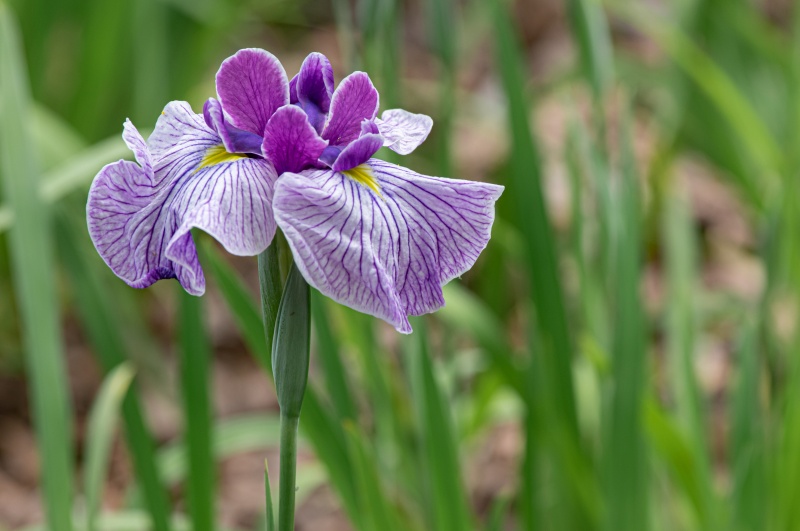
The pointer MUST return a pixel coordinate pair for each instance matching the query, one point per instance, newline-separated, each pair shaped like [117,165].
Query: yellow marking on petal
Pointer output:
[217,155]
[363,175]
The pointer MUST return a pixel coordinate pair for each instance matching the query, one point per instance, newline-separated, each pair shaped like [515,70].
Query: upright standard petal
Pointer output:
[354,101]
[315,82]
[403,131]
[252,85]
[290,143]
[384,240]
[142,227]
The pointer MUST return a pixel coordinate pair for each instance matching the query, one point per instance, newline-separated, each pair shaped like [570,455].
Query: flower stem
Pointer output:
[288,462]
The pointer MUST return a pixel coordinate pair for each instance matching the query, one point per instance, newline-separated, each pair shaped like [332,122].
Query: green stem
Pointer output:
[288,472]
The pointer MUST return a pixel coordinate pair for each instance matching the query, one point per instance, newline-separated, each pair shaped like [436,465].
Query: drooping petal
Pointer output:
[234,139]
[354,101]
[358,152]
[252,85]
[290,142]
[403,131]
[386,252]
[142,228]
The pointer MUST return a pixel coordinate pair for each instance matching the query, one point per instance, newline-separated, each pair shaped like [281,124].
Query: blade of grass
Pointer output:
[590,29]
[525,186]
[100,434]
[105,330]
[439,449]
[195,382]
[32,260]
[268,499]
[750,492]
[625,456]
[333,371]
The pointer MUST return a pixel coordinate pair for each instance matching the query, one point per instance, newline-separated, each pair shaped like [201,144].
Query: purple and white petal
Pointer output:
[354,101]
[403,131]
[290,142]
[252,85]
[358,152]
[141,227]
[234,139]
[385,253]
[133,139]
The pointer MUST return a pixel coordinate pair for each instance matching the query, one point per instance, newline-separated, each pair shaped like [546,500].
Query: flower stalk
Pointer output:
[290,358]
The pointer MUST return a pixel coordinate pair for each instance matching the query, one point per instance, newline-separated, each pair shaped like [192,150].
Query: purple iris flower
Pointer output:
[297,155]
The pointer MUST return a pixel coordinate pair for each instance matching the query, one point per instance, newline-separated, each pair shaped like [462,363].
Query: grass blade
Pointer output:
[100,433]
[268,499]
[104,327]
[332,367]
[32,261]
[195,360]
[439,449]
[625,458]
[590,28]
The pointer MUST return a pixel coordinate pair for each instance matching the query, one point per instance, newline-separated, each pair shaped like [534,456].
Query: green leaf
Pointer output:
[104,325]
[100,434]
[268,499]
[590,28]
[195,382]
[32,261]
[290,350]
[439,449]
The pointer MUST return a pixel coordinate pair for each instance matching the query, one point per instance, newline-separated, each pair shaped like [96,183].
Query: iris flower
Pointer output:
[270,153]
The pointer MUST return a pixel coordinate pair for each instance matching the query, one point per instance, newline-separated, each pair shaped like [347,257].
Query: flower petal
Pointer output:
[142,227]
[252,85]
[403,131]
[389,253]
[314,88]
[234,139]
[290,142]
[354,101]
[358,152]
[133,139]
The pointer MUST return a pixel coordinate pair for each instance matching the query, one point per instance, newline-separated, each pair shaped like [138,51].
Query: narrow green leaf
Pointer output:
[100,434]
[195,382]
[625,458]
[241,302]
[590,28]
[104,326]
[333,371]
[268,499]
[439,449]
[32,261]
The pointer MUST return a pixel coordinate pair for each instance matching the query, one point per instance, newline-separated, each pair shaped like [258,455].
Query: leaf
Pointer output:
[100,434]
[32,260]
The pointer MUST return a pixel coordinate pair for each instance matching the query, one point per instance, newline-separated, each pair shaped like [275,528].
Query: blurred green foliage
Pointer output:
[555,332]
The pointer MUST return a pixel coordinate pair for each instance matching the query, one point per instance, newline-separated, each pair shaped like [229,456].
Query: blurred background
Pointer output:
[623,355]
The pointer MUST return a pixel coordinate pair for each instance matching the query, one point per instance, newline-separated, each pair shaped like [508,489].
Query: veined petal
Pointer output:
[403,131]
[234,139]
[252,85]
[354,101]
[387,254]
[142,228]
[358,152]
[290,142]
[133,139]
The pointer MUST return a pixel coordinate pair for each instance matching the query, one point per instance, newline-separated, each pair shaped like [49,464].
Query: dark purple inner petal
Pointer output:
[290,142]
[354,101]
[234,139]
[315,82]
[358,152]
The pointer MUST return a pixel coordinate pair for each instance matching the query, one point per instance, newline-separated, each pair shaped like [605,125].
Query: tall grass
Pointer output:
[555,334]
